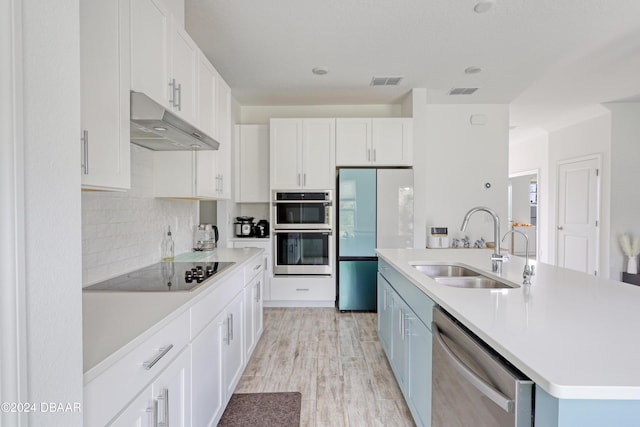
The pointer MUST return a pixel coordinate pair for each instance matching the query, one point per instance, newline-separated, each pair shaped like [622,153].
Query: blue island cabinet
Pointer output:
[404,329]
[554,412]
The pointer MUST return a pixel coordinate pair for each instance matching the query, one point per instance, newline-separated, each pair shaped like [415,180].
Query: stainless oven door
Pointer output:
[303,252]
[302,214]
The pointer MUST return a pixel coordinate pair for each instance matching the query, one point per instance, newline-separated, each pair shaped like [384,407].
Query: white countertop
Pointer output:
[573,334]
[114,322]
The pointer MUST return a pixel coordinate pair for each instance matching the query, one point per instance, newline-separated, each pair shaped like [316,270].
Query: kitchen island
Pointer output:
[573,334]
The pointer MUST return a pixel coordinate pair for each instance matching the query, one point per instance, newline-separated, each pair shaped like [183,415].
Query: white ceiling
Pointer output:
[551,60]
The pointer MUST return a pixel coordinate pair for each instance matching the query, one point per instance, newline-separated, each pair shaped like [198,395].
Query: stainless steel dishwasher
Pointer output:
[472,385]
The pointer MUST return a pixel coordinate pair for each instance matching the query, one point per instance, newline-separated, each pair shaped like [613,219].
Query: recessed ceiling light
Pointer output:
[159,128]
[320,71]
[472,70]
[483,6]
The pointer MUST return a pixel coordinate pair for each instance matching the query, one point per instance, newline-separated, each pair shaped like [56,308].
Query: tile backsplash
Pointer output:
[122,231]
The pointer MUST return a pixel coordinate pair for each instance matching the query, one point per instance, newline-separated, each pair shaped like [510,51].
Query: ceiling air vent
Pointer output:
[386,81]
[462,90]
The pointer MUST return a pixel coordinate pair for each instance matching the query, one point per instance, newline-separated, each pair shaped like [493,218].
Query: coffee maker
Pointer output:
[262,228]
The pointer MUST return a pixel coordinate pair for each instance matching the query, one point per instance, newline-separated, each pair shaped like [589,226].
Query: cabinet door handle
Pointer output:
[298,180]
[85,151]
[231,327]
[258,291]
[179,90]
[374,154]
[257,267]
[154,413]
[304,179]
[368,154]
[164,397]
[163,351]
[172,92]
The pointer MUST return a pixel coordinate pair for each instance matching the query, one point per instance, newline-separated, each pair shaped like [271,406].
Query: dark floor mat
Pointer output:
[262,410]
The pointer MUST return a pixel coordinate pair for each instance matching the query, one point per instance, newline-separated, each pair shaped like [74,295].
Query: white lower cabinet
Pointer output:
[254,279]
[263,243]
[166,402]
[185,373]
[208,399]
[232,357]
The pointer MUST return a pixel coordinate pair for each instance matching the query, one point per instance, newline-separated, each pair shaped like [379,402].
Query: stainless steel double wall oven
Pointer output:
[303,232]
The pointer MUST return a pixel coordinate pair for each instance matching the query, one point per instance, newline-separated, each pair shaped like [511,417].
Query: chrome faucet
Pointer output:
[496,257]
[528,269]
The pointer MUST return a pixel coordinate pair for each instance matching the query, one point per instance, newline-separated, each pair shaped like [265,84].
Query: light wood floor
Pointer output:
[335,360]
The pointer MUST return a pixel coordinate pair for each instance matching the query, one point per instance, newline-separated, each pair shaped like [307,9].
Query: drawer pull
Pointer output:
[164,350]
[257,266]
[302,289]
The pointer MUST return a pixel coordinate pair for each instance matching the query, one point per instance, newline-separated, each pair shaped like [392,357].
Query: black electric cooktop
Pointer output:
[163,277]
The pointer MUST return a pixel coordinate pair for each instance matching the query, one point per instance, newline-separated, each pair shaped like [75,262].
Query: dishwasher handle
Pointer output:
[480,384]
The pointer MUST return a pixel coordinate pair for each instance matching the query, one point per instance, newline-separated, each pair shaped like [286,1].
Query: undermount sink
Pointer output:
[473,282]
[444,270]
[458,276]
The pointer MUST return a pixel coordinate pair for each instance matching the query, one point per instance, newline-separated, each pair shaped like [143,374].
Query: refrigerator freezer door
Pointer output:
[357,285]
[357,213]
[395,208]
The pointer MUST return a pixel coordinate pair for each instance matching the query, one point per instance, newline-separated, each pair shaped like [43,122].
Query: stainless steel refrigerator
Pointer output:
[375,210]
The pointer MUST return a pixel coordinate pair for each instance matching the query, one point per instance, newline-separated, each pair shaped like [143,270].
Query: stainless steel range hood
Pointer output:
[156,128]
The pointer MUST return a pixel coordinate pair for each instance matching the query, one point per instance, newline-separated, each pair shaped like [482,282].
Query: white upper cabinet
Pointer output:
[207,77]
[185,174]
[252,178]
[151,51]
[184,67]
[105,68]
[380,142]
[164,59]
[302,154]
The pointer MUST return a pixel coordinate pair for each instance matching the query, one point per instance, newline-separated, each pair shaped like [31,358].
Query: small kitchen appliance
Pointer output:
[244,226]
[262,228]
[205,237]
[439,238]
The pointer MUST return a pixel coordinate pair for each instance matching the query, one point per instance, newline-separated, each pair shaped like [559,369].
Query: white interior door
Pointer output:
[578,208]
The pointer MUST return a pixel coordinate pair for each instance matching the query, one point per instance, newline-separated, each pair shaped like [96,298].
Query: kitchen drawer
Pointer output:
[254,268]
[303,289]
[214,302]
[111,391]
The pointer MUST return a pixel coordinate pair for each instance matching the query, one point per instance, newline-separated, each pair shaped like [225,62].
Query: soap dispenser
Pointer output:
[167,247]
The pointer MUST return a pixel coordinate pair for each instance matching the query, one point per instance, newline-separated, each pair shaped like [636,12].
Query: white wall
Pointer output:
[453,160]
[122,231]
[53,255]
[529,155]
[625,180]
[591,137]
